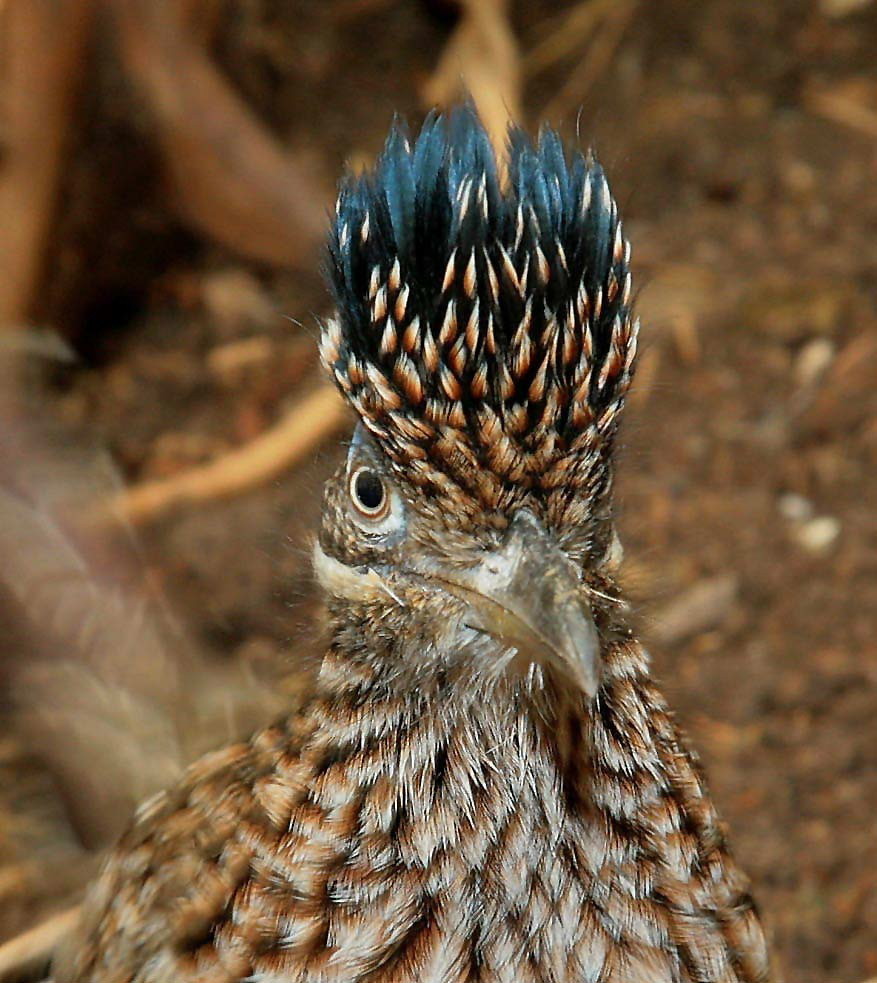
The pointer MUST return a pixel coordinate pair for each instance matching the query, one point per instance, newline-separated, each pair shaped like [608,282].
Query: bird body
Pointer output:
[433,837]
[486,785]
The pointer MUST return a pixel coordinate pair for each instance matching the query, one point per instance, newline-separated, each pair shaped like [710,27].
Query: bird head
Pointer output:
[484,337]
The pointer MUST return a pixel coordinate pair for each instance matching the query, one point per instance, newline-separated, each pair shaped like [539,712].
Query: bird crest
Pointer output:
[484,331]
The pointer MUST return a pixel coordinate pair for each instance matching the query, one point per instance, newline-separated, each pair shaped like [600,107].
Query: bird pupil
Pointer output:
[369,490]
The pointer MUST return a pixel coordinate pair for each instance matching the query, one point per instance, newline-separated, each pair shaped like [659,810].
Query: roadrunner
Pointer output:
[486,785]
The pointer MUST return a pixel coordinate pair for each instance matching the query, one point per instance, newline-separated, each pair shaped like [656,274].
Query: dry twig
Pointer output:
[300,430]
[233,179]
[566,35]
[481,59]
[596,61]
[33,950]
[705,605]
[846,105]
[43,53]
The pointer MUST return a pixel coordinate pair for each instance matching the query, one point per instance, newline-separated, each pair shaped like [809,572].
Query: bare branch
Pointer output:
[304,426]
[481,59]
[596,61]
[43,44]
[233,179]
[851,105]
[32,951]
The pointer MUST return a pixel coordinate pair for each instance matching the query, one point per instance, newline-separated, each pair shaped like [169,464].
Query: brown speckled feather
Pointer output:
[439,837]
[486,785]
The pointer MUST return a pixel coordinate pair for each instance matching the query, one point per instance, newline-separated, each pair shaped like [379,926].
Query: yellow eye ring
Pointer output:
[368,494]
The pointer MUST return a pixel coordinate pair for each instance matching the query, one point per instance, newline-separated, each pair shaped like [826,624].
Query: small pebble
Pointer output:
[818,535]
[795,508]
[813,361]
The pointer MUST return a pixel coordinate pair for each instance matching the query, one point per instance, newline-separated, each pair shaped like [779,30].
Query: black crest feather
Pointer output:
[484,331]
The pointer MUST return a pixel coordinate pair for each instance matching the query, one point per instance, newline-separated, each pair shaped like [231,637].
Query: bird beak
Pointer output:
[528,595]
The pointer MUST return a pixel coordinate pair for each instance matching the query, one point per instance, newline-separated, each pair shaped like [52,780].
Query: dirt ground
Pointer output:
[736,136]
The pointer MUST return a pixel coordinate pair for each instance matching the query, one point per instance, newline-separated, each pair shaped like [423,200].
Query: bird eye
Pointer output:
[368,493]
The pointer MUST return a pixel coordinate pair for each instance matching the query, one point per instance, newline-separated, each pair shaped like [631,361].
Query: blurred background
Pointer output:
[166,171]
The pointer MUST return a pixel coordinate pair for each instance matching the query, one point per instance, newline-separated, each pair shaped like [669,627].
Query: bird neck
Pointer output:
[521,799]
[507,726]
